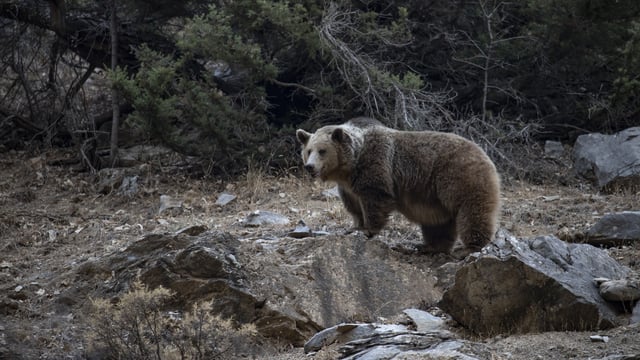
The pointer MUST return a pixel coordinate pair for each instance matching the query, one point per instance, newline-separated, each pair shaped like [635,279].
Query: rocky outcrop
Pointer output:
[611,161]
[290,288]
[533,285]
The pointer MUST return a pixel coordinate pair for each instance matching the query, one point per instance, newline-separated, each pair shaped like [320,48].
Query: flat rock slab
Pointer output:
[424,321]
[261,217]
[373,341]
[533,285]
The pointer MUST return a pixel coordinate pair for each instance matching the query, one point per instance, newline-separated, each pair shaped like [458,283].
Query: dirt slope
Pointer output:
[53,218]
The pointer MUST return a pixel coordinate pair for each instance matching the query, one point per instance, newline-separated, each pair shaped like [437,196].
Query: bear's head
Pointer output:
[329,152]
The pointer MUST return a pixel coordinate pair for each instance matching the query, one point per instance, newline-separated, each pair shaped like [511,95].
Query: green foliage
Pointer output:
[246,67]
[187,113]
[627,83]
[212,36]
[211,100]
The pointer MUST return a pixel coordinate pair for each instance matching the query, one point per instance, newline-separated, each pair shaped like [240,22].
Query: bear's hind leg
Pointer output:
[439,238]
[476,228]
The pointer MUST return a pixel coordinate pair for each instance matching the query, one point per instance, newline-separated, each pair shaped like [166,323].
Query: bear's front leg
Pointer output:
[352,204]
[376,214]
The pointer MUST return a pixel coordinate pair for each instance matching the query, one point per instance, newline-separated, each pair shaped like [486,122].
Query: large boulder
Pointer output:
[615,229]
[612,161]
[333,279]
[533,285]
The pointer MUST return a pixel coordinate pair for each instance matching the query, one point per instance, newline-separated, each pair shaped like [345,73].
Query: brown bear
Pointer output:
[442,181]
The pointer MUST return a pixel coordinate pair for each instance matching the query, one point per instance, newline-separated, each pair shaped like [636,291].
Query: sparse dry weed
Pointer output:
[138,327]
[255,184]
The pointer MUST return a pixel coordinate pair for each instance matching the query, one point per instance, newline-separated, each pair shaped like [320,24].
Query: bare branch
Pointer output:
[383,95]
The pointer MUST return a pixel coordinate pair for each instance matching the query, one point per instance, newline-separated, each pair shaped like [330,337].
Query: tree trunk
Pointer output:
[114,92]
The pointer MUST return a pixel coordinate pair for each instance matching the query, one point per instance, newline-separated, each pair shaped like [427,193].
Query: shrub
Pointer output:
[138,327]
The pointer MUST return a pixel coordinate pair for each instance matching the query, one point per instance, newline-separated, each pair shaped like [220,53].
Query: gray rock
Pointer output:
[332,193]
[203,268]
[301,231]
[260,217]
[129,186]
[225,198]
[406,345]
[621,357]
[612,161]
[334,278]
[553,149]
[344,333]
[424,321]
[122,181]
[167,202]
[193,230]
[620,290]
[615,229]
[599,338]
[635,315]
[533,285]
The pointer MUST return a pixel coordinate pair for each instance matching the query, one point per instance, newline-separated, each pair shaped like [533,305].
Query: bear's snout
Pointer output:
[309,168]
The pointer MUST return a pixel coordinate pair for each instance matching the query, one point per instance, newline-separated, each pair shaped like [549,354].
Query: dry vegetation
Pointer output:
[139,327]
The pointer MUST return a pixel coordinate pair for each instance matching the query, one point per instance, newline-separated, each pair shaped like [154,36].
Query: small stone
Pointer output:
[129,186]
[635,315]
[599,338]
[225,198]
[550,198]
[301,231]
[331,193]
[620,290]
[553,149]
[167,202]
[232,259]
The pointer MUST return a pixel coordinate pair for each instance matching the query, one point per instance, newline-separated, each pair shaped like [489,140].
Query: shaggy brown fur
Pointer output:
[443,182]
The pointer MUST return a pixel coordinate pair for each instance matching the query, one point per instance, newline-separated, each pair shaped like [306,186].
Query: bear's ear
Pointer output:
[338,135]
[303,136]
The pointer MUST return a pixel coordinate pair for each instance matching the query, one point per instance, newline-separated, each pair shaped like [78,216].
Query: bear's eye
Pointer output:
[321,152]
[308,152]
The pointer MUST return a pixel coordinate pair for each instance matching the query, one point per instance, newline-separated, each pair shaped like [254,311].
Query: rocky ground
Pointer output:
[53,218]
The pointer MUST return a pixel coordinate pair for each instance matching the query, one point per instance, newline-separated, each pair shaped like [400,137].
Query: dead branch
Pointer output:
[383,95]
